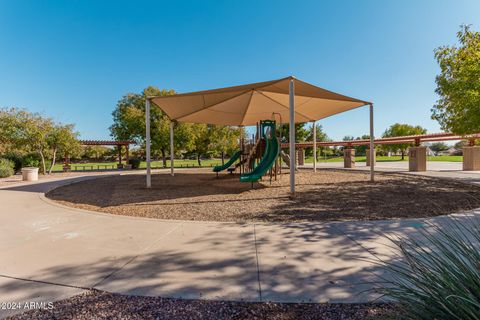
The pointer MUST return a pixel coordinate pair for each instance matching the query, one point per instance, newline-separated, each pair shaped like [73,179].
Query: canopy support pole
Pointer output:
[372,147]
[172,173]
[314,128]
[242,146]
[292,136]
[147,141]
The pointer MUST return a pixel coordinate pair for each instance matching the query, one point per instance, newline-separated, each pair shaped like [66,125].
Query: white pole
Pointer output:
[372,150]
[314,147]
[147,141]
[292,136]
[171,149]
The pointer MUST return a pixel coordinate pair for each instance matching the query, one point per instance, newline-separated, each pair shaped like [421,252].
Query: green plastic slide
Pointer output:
[268,159]
[227,165]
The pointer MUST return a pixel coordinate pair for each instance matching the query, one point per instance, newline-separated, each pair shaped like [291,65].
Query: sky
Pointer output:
[73,60]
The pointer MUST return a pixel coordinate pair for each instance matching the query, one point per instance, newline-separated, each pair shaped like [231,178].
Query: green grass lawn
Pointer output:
[446,158]
[155,164]
[214,162]
[386,159]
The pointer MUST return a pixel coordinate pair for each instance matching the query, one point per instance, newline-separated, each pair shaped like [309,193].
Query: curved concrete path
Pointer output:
[50,252]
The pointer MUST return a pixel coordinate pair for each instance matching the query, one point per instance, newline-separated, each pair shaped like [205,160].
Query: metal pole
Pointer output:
[171,149]
[314,147]
[372,150]
[147,141]
[292,136]
[242,144]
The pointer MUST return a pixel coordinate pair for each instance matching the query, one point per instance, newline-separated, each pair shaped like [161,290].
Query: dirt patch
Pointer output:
[103,305]
[322,196]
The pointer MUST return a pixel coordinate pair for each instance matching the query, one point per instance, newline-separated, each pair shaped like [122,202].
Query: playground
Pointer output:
[257,184]
[328,194]
[261,227]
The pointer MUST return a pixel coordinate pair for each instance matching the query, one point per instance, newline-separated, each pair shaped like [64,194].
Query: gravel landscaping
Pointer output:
[103,305]
[326,195]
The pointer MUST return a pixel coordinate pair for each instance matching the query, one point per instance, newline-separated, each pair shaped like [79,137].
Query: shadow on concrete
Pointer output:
[302,262]
[296,263]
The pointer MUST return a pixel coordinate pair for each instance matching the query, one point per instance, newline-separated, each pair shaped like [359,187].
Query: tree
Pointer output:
[94,152]
[460,144]
[31,132]
[398,130]
[62,139]
[11,135]
[439,146]
[27,132]
[201,140]
[129,123]
[301,132]
[458,84]
[225,140]
[363,148]
[321,136]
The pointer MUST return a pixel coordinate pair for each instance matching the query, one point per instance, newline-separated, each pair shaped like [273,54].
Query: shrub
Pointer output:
[31,160]
[16,159]
[438,275]
[6,168]
[135,163]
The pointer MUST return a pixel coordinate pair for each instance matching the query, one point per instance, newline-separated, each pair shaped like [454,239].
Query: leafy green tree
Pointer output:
[398,130]
[321,136]
[129,123]
[25,132]
[94,152]
[359,150]
[363,148]
[458,84]
[62,139]
[202,139]
[31,132]
[439,146]
[11,137]
[183,137]
[301,132]
[225,140]
[460,144]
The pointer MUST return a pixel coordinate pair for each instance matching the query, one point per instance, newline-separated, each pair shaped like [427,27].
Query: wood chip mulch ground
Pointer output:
[322,196]
[103,305]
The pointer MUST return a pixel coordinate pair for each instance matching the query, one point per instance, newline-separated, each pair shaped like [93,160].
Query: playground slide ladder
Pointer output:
[252,154]
[269,156]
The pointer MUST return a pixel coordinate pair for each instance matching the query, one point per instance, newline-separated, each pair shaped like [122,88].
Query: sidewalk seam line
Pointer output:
[257,262]
[46,282]
[136,256]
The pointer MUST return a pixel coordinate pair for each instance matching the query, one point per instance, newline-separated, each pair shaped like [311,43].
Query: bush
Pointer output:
[16,159]
[31,160]
[135,163]
[438,275]
[6,168]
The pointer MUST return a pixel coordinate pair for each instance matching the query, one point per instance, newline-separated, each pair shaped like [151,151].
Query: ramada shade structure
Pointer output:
[293,100]
[246,105]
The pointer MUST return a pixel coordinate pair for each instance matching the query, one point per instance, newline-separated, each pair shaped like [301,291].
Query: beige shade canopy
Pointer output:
[248,104]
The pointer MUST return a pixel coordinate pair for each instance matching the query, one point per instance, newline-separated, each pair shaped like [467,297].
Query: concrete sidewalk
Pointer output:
[50,252]
[439,169]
